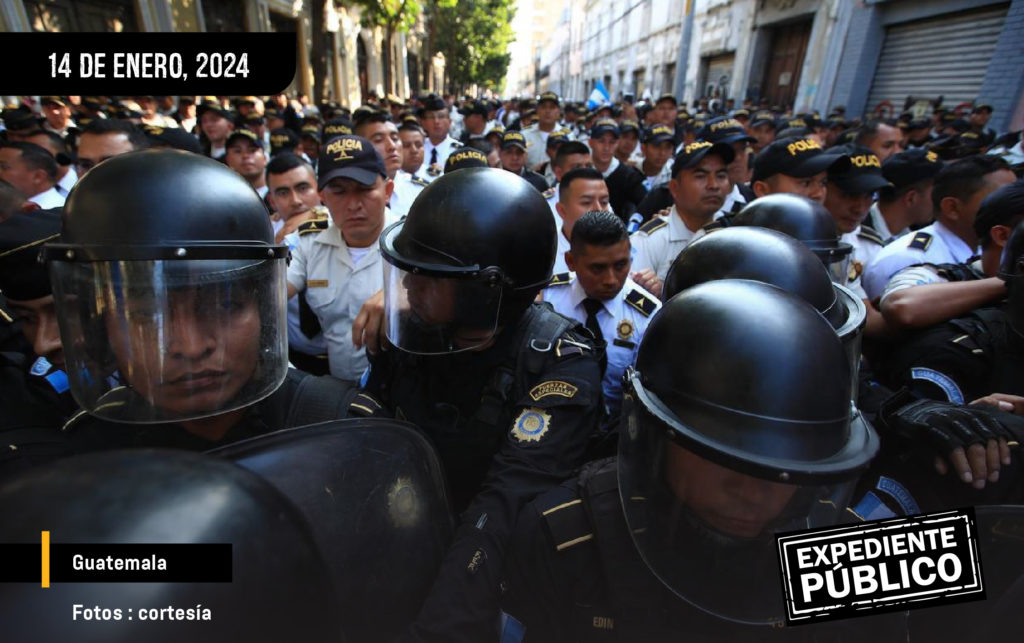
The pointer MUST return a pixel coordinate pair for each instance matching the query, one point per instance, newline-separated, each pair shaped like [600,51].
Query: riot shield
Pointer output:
[278,588]
[373,492]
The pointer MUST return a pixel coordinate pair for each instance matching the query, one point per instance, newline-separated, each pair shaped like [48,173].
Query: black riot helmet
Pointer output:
[473,252]
[803,219]
[276,579]
[1012,272]
[169,288]
[736,425]
[760,254]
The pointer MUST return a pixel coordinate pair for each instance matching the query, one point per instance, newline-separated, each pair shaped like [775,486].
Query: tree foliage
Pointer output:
[474,37]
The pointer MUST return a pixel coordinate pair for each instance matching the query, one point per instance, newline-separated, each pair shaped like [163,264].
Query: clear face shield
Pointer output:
[837,258]
[171,340]
[432,308]
[704,522]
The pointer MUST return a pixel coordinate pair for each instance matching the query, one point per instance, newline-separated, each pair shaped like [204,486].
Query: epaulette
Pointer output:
[641,302]
[921,241]
[871,235]
[313,226]
[721,222]
[561,279]
[655,223]
[568,524]
[415,180]
[548,193]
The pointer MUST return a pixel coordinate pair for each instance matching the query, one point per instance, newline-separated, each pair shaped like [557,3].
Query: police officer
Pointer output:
[549,111]
[507,390]
[436,121]
[600,294]
[676,534]
[173,320]
[514,154]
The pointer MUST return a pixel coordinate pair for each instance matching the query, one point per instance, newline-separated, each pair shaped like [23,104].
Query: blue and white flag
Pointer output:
[599,96]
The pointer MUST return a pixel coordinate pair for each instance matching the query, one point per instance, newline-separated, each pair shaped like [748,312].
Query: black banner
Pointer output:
[141,64]
[881,565]
[118,563]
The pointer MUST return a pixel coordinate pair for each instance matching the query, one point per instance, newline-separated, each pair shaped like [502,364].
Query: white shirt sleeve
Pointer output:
[297,267]
[910,277]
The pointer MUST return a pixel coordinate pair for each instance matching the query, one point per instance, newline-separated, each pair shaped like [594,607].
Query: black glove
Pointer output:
[945,426]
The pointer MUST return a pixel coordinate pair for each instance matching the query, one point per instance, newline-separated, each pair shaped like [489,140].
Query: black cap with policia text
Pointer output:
[799,157]
[351,157]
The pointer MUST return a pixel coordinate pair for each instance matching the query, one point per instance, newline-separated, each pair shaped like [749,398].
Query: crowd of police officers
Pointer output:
[825,325]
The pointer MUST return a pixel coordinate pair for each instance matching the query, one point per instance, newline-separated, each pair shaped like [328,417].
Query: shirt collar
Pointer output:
[677,230]
[878,222]
[614,165]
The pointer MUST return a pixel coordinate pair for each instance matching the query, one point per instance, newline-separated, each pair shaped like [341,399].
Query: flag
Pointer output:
[599,96]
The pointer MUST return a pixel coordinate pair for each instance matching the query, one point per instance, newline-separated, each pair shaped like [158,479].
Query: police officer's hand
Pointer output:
[649,281]
[972,440]
[368,328]
[1002,401]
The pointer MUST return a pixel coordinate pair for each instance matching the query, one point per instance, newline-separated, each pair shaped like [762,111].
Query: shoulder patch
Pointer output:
[415,180]
[548,193]
[553,387]
[655,223]
[641,302]
[561,279]
[871,235]
[531,425]
[943,381]
[313,226]
[921,241]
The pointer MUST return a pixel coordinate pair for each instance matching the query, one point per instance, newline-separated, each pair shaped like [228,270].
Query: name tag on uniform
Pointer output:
[623,343]
[317,283]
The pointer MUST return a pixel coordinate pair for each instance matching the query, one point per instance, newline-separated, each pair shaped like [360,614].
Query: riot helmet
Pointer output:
[276,579]
[1012,272]
[169,289]
[736,425]
[803,219]
[475,249]
[760,254]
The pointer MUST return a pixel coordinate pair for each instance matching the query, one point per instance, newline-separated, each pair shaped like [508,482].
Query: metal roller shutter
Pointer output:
[945,56]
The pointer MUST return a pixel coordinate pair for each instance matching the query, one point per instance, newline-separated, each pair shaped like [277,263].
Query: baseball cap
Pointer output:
[799,157]
[57,100]
[251,119]
[982,106]
[282,138]
[557,137]
[604,126]
[339,126]
[741,113]
[247,134]
[19,118]
[310,131]
[211,104]
[724,129]
[864,174]
[667,96]
[907,168]
[474,107]
[693,153]
[513,138]
[174,137]
[351,157]
[629,125]
[465,157]
[550,97]
[658,134]
[431,103]
[762,117]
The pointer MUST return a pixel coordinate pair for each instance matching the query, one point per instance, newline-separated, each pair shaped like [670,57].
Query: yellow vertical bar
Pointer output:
[46,559]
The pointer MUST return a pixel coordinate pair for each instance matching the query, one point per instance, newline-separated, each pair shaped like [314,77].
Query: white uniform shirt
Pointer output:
[49,199]
[407,188]
[536,145]
[336,290]
[661,178]
[932,244]
[296,338]
[444,150]
[731,199]
[866,246]
[64,186]
[659,241]
[623,320]
[919,276]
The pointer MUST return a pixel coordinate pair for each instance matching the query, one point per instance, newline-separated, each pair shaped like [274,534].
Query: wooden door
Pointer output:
[782,75]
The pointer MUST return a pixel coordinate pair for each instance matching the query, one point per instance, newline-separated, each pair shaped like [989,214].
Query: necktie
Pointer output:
[593,306]
[433,156]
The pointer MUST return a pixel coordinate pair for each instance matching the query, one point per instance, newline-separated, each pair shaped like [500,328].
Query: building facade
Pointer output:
[355,63]
[871,56]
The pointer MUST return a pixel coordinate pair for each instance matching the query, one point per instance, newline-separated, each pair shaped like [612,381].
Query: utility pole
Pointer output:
[684,51]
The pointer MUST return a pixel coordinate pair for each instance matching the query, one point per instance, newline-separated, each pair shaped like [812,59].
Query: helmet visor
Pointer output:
[429,314]
[171,340]
[837,258]
[706,530]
